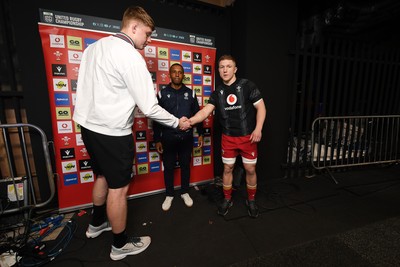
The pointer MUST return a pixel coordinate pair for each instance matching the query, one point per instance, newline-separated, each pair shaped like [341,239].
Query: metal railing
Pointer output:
[19,188]
[346,141]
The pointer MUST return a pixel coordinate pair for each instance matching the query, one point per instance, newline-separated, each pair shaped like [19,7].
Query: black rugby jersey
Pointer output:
[234,105]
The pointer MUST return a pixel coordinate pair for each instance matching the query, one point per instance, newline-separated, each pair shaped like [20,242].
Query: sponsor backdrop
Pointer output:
[64,37]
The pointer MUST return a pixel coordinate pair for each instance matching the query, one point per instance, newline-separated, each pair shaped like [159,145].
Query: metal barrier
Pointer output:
[345,141]
[19,189]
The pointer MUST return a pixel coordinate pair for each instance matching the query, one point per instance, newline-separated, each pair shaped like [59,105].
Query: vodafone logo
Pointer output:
[231,99]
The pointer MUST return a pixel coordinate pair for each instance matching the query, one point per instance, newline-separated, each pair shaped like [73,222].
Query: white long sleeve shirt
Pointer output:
[113,79]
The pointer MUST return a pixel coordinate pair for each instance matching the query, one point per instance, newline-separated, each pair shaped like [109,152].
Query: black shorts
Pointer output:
[111,156]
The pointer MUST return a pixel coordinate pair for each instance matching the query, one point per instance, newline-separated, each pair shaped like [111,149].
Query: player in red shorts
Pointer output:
[241,112]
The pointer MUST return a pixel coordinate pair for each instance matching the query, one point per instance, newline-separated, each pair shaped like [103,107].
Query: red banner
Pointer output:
[62,49]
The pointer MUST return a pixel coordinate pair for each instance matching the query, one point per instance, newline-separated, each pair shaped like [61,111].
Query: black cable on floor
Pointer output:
[37,253]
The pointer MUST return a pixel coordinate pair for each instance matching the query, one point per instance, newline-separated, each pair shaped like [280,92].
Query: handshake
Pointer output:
[184,123]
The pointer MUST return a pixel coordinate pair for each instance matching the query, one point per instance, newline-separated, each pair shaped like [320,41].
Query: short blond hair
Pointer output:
[139,14]
[227,57]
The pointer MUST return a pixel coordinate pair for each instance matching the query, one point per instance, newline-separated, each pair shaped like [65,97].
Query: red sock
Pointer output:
[251,191]
[227,191]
